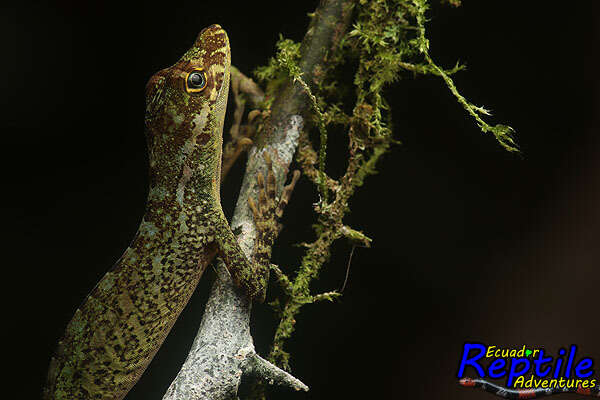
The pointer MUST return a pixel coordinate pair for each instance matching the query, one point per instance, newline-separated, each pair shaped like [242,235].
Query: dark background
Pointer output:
[470,242]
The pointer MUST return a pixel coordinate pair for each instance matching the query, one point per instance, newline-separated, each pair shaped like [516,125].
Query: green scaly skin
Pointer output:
[118,329]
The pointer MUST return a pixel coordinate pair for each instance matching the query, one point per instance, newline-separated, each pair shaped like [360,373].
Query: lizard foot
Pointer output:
[266,215]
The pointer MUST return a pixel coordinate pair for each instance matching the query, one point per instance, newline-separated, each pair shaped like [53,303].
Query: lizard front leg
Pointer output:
[252,276]
[266,218]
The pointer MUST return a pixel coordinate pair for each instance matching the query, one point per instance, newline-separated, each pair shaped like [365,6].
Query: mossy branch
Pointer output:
[386,39]
[503,133]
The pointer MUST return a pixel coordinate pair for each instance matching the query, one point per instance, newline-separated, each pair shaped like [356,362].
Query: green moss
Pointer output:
[387,42]
[280,68]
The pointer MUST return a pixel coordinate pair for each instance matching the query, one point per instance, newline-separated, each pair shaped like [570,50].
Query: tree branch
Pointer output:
[223,349]
[243,88]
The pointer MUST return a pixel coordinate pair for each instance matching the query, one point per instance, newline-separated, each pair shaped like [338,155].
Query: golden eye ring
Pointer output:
[196,81]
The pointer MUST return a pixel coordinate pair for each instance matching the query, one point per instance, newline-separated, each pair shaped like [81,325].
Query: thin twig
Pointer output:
[348,269]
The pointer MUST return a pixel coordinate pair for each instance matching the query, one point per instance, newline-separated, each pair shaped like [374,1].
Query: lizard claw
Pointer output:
[266,215]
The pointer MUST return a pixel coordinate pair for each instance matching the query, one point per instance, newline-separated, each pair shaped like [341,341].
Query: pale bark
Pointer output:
[223,350]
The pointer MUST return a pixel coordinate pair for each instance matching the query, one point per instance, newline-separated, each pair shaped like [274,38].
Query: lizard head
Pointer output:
[185,111]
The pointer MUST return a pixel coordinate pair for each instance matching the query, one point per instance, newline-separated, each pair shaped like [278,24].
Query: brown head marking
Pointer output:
[185,111]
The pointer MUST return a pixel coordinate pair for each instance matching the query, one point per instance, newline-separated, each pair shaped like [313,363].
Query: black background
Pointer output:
[470,242]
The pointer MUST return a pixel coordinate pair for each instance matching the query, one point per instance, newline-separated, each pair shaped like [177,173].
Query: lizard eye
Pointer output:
[195,81]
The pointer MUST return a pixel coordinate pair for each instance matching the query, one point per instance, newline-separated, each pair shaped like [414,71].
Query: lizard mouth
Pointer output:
[213,27]
[213,38]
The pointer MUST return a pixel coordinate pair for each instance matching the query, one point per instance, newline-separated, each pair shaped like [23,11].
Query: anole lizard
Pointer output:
[117,330]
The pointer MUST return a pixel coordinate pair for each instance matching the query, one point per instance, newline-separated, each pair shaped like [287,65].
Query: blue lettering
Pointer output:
[471,361]
[559,361]
[572,353]
[582,365]
[539,362]
[498,364]
[513,369]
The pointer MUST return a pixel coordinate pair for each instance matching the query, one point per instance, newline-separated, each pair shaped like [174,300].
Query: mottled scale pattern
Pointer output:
[119,327]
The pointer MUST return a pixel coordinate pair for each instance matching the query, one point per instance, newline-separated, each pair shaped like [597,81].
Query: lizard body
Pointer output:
[120,326]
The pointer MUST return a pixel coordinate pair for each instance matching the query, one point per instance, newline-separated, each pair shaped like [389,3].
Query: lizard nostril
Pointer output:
[213,27]
[212,31]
